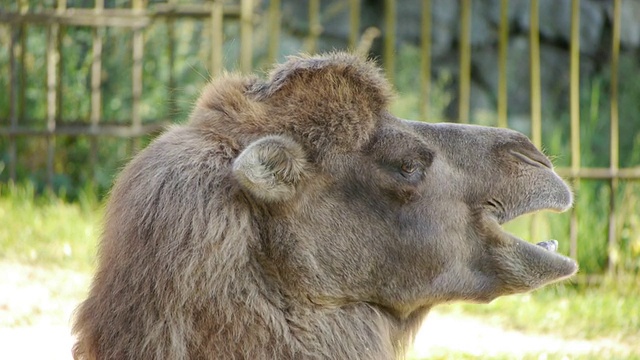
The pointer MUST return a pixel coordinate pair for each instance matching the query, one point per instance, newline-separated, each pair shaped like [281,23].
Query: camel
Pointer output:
[294,217]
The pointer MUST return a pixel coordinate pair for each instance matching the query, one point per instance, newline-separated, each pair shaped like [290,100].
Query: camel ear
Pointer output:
[271,168]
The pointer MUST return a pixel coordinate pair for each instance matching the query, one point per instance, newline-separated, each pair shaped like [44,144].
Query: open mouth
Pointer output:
[549,245]
[497,211]
[541,261]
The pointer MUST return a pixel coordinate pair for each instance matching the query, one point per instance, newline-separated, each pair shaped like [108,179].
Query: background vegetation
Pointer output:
[58,228]
[59,237]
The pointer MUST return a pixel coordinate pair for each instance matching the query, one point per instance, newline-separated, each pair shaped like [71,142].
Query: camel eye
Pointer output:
[408,167]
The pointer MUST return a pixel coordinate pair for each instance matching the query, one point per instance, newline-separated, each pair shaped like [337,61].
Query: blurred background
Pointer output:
[85,84]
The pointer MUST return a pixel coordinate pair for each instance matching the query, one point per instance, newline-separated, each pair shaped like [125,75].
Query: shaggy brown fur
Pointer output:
[295,218]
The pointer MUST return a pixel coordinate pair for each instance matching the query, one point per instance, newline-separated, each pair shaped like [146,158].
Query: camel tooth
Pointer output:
[551,245]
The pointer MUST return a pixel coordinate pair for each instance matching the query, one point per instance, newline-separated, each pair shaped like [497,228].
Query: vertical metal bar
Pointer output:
[96,94]
[136,77]
[217,37]
[614,152]
[575,116]
[502,63]
[534,58]
[354,23]
[425,60]
[536,105]
[24,8]
[62,7]
[315,27]
[53,63]
[13,97]
[171,54]
[246,35]
[465,61]
[274,30]
[15,52]
[573,225]
[172,105]
[390,39]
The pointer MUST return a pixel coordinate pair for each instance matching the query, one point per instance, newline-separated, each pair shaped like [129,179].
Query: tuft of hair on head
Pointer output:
[331,101]
[327,103]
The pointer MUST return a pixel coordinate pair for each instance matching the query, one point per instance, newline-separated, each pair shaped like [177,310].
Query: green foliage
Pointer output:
[59,228]
[170,88]
[410,99]
[174,67]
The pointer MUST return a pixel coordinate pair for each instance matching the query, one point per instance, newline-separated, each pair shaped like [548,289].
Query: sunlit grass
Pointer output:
[608,310]
[47,231]
[600,355]
[53,242]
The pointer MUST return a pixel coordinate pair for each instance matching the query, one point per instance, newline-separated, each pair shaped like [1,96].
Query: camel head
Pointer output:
[358,205]
[295,217]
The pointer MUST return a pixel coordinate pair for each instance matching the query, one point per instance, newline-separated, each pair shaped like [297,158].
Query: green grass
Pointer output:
[611,309]
[533,356]
[55,241]
[46,230]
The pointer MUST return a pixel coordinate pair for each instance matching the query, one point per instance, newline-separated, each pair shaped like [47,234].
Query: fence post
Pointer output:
[536,104]
[53,88]
[13,97]
[16,76]
[171,54]
[502,63]
[274,30]
[465,61]
[534,59]
[246,34]
[136,77]
[614,152]
[217,36]
[425,60]
[390,39]
[96,94]
[315,27]
[354,24]
[575,118]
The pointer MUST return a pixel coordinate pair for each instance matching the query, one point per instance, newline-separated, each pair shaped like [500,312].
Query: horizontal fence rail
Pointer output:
[129,18]
[247,14]
[84,129]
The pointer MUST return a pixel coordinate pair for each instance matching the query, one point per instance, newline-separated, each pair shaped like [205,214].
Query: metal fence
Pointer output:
[140,16]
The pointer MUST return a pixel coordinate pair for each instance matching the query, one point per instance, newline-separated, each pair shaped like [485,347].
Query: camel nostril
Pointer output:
[531,158]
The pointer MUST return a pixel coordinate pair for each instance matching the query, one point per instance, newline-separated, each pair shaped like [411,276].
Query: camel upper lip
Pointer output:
[504,213]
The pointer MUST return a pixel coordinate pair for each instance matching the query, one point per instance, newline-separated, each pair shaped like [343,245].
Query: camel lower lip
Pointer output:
[550,248]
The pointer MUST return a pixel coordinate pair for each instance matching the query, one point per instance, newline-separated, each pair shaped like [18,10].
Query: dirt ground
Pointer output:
[36,304]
